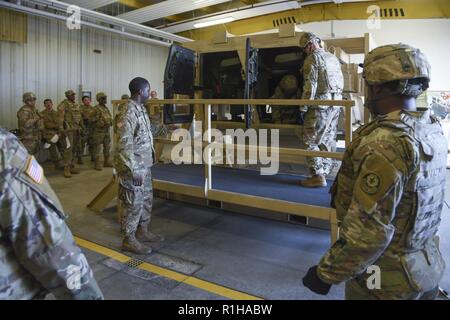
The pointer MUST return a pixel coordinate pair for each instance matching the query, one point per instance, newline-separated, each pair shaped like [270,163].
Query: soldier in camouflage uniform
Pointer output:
[51,133]
[30,124]
[122,106]
[86,112]
[71,125]
[288,88]
[101,122]
[38,254]
[133,159]
[323,80]
[389,192]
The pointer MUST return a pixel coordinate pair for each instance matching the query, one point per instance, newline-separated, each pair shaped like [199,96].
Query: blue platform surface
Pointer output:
[250,182]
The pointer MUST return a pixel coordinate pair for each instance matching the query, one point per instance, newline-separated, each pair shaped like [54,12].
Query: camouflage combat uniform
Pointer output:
[101,122]
[134,154]
[30,126]
[287,89]
[323,80]
[71,125]
[88,138]
[51,128]
[389,195]
[122,106]
[389,192]
[37,251]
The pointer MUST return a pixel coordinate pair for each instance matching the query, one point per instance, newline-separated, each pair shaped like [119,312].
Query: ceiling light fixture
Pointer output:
[213,22]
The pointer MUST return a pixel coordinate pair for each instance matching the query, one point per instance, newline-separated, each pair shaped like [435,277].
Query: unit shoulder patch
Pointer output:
[371,183]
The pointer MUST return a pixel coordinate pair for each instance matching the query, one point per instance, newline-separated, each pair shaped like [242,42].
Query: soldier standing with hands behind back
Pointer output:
[101,122]
[86,112]
[133,159]
[30,124]
[389,192]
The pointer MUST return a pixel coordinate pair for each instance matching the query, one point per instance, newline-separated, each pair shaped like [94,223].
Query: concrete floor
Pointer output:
[259,257]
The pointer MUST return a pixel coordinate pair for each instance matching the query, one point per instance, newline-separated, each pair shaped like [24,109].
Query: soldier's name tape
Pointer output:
[167,273]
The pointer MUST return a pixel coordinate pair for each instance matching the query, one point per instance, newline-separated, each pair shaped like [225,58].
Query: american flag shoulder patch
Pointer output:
[34,170]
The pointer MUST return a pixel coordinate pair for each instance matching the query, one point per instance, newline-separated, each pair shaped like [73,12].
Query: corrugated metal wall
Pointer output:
[56,59]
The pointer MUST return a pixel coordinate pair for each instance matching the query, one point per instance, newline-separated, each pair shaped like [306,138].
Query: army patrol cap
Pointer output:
[28,96]
[69,93]
[306,38]
[125,97]
[398,62]
[289,83]
[100,95]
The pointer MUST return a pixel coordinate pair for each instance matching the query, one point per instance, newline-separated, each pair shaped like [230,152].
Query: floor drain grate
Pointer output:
[134,263]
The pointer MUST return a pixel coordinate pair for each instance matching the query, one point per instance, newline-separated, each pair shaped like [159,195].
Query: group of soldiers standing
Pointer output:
[67,130]
[388,194]
[32,264]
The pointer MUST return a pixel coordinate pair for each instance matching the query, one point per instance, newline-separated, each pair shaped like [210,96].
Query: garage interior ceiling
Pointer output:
[180,16]
[91,4]
[259,9]
[167,8]
[159,13]
[166,13]
[60,11]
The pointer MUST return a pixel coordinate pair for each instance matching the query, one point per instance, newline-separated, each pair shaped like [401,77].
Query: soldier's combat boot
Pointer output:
[142,234]
[107,162]
[80,160]
[67,173]
[98,164]
[131,244]
[316,181]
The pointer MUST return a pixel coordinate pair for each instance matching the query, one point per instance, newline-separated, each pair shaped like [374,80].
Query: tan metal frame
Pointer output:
[276,205]
[207,103]
[202,111]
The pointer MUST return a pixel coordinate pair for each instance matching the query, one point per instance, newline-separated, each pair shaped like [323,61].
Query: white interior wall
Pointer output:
[432,36]
[56,59]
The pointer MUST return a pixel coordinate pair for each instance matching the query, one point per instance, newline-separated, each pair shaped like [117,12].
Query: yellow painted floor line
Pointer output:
[167,273]
[102,250]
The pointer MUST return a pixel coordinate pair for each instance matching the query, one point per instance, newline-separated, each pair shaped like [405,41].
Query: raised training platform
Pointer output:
[283,187]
